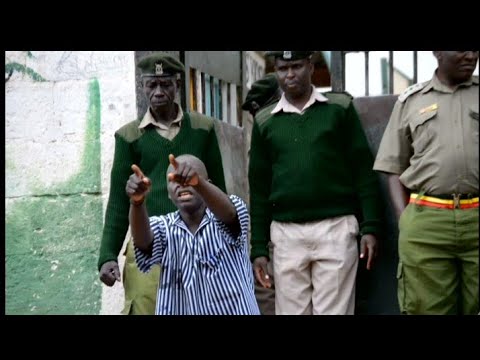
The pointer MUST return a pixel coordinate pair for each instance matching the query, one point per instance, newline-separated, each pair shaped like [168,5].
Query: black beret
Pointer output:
[160,64]
[289,55]
[262,90]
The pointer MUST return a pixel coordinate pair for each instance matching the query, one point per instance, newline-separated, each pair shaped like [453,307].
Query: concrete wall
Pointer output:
[61,110]
[231,140]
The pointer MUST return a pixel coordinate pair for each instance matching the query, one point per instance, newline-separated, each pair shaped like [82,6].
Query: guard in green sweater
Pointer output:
[165,129]
[312,191]
[264,92]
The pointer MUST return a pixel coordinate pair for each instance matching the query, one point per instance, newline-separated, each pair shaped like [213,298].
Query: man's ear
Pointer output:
[254,105]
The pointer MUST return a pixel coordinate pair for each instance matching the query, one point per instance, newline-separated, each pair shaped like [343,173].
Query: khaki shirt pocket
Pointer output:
[422,130]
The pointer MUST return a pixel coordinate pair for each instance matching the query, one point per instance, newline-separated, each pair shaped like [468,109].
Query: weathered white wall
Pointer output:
[118,108]
[48,97]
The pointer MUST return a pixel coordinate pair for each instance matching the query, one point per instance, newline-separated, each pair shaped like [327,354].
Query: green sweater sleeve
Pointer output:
[260,179]
[213,161]
[365,179]
[116,218]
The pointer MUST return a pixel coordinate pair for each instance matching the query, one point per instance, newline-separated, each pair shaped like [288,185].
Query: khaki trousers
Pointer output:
[140,288]
[438,268]
[315,266]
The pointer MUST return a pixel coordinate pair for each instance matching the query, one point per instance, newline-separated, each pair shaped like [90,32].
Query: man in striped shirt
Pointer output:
[147,141]
[202,247]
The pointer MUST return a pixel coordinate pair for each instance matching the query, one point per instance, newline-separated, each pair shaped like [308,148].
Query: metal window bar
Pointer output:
[390,72]
[367,64]
[337,71]
[415,67]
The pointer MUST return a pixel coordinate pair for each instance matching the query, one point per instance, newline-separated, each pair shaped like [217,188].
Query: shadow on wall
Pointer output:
[52,240]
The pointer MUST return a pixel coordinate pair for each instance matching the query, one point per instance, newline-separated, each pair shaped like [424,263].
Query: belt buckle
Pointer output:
[456,201]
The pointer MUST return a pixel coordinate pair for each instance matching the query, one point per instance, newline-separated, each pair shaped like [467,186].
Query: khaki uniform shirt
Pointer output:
[431,140]
[168,132]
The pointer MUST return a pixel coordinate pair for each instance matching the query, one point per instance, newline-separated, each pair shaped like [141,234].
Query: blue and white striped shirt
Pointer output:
[206,273]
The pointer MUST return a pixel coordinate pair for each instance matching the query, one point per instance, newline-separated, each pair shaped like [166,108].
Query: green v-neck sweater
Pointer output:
[310,167]
[149,150]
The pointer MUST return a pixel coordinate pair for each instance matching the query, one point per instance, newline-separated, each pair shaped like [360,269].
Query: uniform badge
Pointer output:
[159,69]
[287,55]
[429,108]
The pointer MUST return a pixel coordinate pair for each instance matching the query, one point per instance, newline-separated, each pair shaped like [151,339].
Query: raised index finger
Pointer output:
[172,160]
[137,171]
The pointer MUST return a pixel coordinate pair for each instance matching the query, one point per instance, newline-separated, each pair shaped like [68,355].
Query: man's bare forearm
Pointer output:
[219,203]
[399,194]
[140,227]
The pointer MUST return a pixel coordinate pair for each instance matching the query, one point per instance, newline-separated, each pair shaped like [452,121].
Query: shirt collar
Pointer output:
[149,119]
[437,85]
[178,221]
[287,107]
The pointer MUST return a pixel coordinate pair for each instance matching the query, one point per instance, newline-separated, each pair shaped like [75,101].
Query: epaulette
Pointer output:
[200,121]
[130,132]
[411,90]
[340,98]
[265,114]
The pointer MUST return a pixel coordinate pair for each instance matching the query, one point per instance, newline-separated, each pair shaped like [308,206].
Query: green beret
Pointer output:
[289,55]
[262,90]
[160,64]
